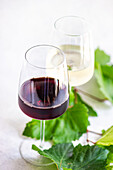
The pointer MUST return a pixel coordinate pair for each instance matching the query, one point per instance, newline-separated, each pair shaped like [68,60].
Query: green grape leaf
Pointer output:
[109,161]
[61,154]
[32,129]
[101,57]
[78,158]
[105,83]
[91,111]
[73,124]
[103,131]
[90,158]
[106,141]
[109,167]
[110,158]
[107,138]
[107,71]
[78,117]
[64,132]
[71,97]
[110,148]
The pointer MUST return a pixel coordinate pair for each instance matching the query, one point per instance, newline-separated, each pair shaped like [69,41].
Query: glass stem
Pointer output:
[42,133]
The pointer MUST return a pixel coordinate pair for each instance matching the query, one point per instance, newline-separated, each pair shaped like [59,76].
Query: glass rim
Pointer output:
[72,16]
[45,45]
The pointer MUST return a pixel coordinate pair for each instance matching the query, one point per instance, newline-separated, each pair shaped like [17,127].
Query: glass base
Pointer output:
[31,156]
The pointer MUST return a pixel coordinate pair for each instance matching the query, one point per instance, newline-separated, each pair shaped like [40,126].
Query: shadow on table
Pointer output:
[21,164]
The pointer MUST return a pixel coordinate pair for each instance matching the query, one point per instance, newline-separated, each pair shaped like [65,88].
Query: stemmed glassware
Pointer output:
[43,92]
[72,34]
[43,86]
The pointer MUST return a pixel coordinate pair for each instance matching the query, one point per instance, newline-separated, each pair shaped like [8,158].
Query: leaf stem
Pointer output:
[90,95]
[70,106]
[94,132]
[91,141]
[75,96]
[89,131]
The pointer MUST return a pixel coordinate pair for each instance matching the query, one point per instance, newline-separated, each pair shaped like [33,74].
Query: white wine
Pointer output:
[80,66]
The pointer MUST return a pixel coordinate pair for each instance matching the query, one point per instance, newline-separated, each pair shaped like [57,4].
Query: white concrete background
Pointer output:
[24,23]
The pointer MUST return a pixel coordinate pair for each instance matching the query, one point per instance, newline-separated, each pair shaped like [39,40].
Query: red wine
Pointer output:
[43,98]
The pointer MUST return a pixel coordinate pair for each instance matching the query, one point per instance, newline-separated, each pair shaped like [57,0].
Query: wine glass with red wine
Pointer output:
[43,93]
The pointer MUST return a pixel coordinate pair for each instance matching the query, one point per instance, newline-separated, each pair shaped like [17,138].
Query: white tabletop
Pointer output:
[22,25]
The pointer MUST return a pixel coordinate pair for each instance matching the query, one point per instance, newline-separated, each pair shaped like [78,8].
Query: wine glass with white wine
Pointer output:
[72,34]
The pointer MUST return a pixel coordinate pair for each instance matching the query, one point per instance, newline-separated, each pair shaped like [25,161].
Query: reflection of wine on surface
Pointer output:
[80,69]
